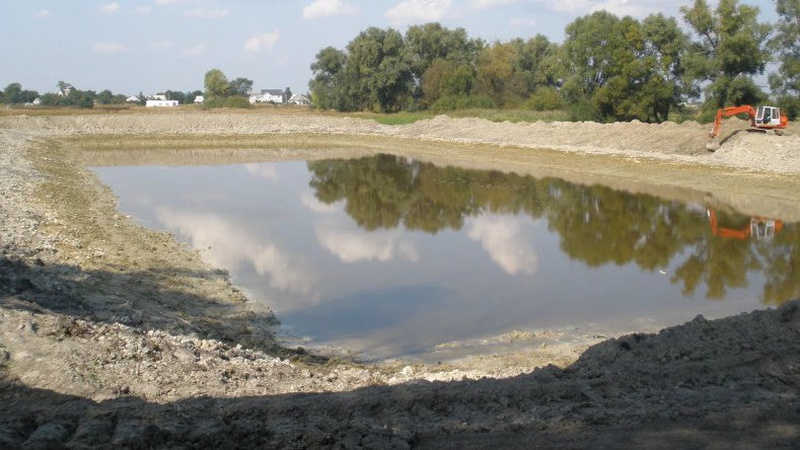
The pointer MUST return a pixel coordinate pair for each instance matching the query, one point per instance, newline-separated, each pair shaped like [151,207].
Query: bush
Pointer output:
[455,102]
[582,110]
[790,106]
[544,98]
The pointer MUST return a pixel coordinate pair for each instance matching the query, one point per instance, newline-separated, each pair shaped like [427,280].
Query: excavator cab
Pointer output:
[764,228]
[767,116]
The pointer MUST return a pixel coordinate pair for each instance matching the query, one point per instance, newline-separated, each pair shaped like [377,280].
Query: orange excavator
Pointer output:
[758,228]
[762,119]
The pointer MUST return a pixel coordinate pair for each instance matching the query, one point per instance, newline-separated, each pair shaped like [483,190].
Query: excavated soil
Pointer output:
[113,336]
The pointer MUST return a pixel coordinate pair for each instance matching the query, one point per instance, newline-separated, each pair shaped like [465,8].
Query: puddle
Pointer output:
[390,257]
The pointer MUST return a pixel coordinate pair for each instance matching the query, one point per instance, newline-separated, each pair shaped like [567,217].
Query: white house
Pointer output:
[132,99]
[268,96]
[161,103]
[199,99]
[299,99]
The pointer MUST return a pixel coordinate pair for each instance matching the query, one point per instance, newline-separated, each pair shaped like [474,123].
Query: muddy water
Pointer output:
[389,257]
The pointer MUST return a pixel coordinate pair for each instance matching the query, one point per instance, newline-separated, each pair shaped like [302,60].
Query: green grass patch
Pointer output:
[493,115]
[513,115]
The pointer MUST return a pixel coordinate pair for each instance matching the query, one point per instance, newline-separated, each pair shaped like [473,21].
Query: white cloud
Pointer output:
[143,10]
[44,13]
[412,11]
[197,50]
[637,8]
[110,8]
[162,45]
[351,247]
[312,203]
[328,8]
[258,43]
[108,47]
[567,6]
[622,8]
[169,2]
[480,5]
[522,23]
[266,171]
[224,244]
[206,14]
[502,237]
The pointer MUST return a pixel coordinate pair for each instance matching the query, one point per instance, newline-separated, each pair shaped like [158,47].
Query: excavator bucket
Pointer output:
[713,145]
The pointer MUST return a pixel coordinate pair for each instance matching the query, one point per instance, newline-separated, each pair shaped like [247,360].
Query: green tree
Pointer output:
[105,97]
[50,99]
[216,84]
[191,96]
[11,94]
[496,76]
[730,48]
[587,58]
[446,78]
[327,85]
[27,96]
[665,46]
[786,45]
[429,42]
[623,69]
[81,99]
[378,71]
[240,86]
[175,95]
[537,57]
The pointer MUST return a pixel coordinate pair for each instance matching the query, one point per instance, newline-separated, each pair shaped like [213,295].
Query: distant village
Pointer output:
[273,96]
[68,95]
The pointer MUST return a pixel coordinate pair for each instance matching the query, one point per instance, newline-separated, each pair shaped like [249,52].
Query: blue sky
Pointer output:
[149,46]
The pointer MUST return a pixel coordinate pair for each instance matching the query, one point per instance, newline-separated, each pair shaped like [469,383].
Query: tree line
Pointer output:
[607,69]
[68,95]
[219,91]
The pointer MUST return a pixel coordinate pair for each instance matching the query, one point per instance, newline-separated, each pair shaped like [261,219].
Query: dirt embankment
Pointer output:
[115,336]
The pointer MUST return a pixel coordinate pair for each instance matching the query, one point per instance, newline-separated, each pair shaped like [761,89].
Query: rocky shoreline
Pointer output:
[98,348]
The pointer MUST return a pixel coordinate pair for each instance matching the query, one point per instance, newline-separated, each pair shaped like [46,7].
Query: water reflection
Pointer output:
[505,240]
[596,225]
[392,256]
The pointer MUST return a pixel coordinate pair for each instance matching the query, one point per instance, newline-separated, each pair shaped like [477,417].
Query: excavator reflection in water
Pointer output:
[758,228]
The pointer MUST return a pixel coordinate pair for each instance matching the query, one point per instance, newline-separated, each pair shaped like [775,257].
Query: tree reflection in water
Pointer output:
[596,224]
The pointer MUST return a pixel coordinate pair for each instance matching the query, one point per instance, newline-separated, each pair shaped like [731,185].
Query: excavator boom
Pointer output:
[730,111]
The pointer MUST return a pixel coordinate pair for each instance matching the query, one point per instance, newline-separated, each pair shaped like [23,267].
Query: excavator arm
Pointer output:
[730,111]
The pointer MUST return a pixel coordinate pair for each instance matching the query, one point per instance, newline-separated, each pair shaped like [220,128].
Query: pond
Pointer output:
[390,257]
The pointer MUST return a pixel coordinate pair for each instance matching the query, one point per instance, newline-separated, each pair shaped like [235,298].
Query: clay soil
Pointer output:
[114,336]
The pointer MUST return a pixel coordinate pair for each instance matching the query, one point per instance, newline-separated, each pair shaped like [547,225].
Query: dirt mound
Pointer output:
[684,143]
[725,383]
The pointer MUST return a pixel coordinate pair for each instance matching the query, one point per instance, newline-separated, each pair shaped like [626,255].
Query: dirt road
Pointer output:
[116,336]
